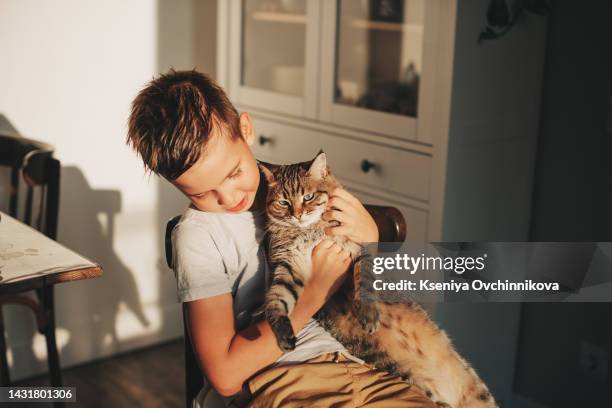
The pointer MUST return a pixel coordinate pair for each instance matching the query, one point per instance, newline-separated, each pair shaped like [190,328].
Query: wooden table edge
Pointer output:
[75,275]
[94,271]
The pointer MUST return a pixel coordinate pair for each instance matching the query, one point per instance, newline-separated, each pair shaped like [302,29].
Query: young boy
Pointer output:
[185,129]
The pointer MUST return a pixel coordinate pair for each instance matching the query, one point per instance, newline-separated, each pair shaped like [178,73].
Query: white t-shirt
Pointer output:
[216,253]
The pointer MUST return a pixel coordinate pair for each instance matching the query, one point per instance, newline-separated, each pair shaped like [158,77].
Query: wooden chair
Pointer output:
[391,227]
[33,198]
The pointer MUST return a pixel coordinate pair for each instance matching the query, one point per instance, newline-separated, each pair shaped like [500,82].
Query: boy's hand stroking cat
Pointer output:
[330,262]
[355,222]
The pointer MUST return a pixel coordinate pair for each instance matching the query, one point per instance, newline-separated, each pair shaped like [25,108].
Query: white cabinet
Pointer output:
[352,77]
[409,107]
[352,63]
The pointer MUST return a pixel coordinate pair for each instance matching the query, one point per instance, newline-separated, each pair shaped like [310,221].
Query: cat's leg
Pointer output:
[280,301]
[365,302]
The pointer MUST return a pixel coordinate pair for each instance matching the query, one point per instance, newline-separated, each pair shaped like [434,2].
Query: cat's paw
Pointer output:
[284,333]
[369,317]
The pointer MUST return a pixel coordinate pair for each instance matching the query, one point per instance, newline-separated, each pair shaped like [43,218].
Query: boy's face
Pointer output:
[226,177]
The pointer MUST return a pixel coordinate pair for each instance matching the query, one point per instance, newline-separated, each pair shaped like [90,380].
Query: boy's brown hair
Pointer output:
[172,118]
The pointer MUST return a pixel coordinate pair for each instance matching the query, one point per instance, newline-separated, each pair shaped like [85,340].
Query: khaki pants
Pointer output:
[332,380]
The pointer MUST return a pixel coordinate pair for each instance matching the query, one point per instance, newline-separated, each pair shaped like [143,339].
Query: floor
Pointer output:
[151,377]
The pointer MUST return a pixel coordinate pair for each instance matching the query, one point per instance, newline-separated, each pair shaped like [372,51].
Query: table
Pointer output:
[31,261]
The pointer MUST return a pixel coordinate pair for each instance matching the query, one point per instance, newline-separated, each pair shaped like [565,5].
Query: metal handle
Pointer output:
[367,165]
[264,139]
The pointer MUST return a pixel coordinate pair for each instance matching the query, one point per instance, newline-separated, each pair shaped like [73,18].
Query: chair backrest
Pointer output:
[391,227]
[33,185]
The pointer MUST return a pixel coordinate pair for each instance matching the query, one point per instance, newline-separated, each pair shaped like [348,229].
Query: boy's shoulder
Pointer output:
[193,217]
[196,223]
[191,221]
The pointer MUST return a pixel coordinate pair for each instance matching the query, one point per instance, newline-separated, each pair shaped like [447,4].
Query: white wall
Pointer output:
[68,72]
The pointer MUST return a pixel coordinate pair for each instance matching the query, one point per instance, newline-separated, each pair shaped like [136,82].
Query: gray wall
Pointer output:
[572,202]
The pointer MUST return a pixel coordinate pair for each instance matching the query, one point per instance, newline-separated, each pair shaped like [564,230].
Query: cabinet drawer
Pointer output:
[385,168]
[401,172]
[285,144]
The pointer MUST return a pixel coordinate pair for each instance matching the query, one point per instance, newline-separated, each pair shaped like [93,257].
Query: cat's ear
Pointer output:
[318,168]
[266,169]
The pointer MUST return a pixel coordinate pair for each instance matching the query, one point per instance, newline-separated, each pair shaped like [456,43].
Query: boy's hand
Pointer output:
[356,223]
[329,266]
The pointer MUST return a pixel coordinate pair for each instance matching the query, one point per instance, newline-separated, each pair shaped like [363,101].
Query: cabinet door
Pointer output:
[376,65]
[274,54]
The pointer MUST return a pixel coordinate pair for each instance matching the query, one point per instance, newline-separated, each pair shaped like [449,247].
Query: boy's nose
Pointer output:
[223,197]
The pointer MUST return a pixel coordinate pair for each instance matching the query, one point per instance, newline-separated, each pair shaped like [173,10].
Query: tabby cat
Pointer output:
[398,338]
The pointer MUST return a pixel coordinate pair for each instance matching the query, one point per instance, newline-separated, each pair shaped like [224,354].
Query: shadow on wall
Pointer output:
[6,127]
[92,235]
[90,306]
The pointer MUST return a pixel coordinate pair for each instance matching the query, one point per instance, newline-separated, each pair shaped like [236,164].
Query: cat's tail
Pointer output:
[477,395]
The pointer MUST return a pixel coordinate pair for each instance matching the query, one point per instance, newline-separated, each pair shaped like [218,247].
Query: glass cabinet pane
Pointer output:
[379,54]
[273,45]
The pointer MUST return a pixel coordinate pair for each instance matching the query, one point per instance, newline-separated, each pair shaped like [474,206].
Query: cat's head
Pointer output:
[298,193]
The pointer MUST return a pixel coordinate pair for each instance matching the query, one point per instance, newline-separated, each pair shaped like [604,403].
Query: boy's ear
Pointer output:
[318,167]
[246,128]
[267,170]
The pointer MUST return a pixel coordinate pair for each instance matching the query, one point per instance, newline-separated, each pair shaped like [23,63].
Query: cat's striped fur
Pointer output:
[399,338]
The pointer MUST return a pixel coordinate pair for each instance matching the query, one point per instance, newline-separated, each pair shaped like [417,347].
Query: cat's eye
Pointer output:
[308,197]
[284,203]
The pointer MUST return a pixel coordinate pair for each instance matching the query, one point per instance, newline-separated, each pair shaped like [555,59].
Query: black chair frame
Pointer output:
[32,165]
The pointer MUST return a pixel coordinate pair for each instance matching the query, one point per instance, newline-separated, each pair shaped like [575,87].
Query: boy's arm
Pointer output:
[229,358]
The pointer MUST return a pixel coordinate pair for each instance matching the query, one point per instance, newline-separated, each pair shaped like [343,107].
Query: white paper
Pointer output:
[25,253]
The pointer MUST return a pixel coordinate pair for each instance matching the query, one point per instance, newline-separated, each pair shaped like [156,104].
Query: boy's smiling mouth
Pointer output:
[240,205]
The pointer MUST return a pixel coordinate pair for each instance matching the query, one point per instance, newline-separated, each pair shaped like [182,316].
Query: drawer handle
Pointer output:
[367,165]
[265,139]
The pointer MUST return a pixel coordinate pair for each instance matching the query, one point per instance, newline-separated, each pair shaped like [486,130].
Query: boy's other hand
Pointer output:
[356,223]
[329,266]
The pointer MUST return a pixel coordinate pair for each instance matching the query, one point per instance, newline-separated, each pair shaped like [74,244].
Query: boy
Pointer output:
[186,130]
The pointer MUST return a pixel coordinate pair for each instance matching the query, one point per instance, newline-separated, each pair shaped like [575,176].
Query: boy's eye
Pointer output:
[308,197]
[284,203]
[236,173]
